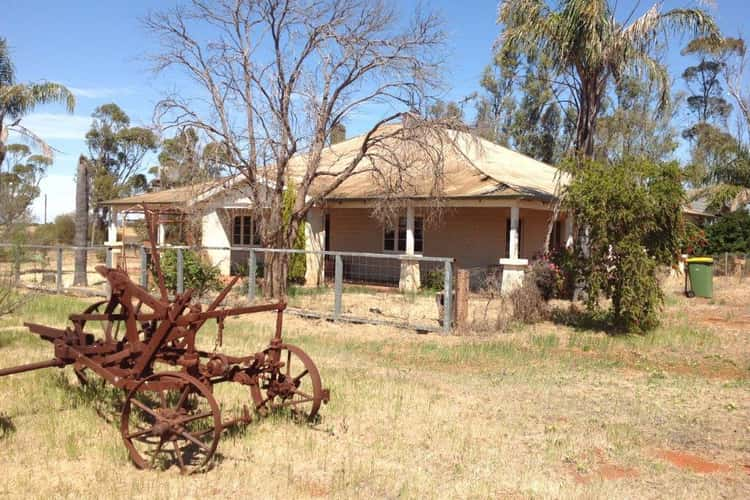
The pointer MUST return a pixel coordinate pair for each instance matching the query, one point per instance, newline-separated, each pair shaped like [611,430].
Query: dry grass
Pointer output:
[543,412]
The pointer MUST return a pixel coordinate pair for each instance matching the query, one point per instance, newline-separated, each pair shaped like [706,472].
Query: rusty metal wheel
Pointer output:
[114,327]
[171,418]
[291,384]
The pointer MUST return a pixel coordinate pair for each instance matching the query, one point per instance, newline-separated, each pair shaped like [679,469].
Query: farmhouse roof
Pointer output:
[472,168]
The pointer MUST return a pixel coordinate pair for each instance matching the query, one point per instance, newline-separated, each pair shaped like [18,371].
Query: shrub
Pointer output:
[297,261]
[197,273]
[547,278]
[526,300]
[632,212]
[730,233]
[434,280]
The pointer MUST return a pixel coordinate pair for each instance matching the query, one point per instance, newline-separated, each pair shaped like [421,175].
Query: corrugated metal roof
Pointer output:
[471,167]
[175,196]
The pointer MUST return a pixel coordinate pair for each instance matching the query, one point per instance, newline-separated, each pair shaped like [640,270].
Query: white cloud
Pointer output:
[100,92]
[51,126]
[61,197]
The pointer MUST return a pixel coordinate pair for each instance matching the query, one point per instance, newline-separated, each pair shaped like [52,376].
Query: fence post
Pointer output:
[448,298]
[108,263]
[180,271]
[726,263]
[338,287]
[252,271]
[17,257]
[58,277]
[144,267]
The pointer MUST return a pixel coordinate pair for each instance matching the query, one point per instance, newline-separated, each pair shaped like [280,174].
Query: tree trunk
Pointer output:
[275,275]
[82,223]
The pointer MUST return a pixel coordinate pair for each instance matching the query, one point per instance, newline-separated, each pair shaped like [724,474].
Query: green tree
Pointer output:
[589,48]
[635,124]
[182,161]
[495,107]
[116,150]
[632,212]
[20,174]
[537,120]
[719,159]
[729,233]
[19,99]
[517,107]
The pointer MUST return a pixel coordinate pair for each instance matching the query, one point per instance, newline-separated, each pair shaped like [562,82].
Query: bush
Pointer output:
[632,211]
[197,273]
[60,232]
[434,280]
[528,305]
[730,233]
[547,278]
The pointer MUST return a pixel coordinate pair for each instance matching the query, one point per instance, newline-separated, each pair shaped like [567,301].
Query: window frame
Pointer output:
[418,223]
[244,229]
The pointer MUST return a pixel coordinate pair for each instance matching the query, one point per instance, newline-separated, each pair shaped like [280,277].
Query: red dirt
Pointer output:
[694,463]
[609,471]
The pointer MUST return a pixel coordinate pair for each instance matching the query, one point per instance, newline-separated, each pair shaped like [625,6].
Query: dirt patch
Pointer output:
[604,472]
[609,471]
[692,462]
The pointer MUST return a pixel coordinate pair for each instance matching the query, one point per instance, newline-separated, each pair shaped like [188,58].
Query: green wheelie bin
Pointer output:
[700,274]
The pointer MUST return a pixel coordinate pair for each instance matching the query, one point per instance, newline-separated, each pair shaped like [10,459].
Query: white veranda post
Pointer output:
[513,267]
[112,227]
[409,280]
[161,234]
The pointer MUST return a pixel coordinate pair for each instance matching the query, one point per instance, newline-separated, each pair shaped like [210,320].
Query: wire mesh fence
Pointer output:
[408,291]
[731,264]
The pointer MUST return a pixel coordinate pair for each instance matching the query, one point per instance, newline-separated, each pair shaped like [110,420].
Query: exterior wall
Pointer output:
[216,231]
[533,232]
[474,236]
[314,241]
[354,230]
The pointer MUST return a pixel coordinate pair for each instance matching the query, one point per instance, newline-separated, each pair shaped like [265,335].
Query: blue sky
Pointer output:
[98,48]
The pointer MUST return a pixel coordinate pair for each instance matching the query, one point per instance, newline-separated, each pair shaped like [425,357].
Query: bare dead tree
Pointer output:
[274,79]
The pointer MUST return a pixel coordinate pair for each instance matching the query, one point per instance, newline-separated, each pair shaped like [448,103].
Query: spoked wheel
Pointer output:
[111,327]
[171,418]
[291,386]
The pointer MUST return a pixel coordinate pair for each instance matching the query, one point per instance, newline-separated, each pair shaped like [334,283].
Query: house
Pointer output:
[496,209]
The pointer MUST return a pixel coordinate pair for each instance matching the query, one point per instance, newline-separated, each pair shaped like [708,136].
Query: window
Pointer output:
[243,231]
[507,237]
[394,240]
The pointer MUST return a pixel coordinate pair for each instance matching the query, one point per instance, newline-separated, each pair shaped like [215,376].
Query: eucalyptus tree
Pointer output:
[19,99]
[20,173]
[116,152]
[589,48]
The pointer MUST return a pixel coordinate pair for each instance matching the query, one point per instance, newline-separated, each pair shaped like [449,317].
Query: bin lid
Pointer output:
[700,260]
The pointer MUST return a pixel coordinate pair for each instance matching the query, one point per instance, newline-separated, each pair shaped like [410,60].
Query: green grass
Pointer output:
[514,415]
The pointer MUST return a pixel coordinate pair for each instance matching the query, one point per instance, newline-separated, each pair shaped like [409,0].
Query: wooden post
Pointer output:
[462,298]
[252,270]
[448,298]
[58,276]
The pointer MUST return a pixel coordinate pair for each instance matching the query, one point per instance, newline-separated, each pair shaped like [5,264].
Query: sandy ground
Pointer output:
[545,411]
